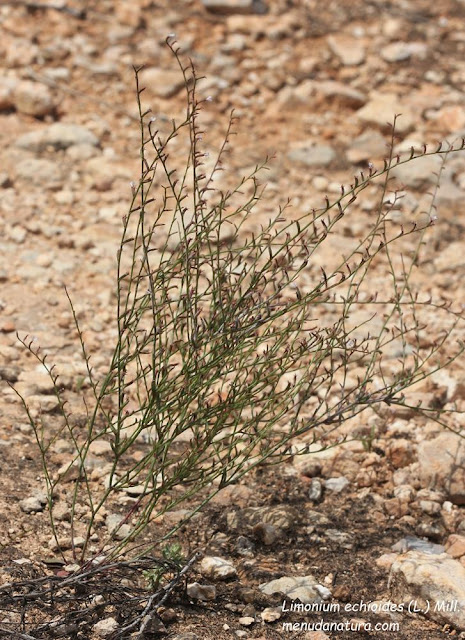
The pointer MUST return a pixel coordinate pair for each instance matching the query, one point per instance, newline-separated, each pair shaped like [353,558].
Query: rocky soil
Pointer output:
[379,519]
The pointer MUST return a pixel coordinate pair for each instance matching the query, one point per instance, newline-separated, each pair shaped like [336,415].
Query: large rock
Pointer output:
[435,582]
[58,135]
[442,464]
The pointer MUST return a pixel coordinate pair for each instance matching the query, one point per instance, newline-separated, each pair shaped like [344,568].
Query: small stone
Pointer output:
[201,591]
[431,530]
[317,519]
[323,91]
[8,373]
[391,27]
[342,538]
[163,83]
[271,614]
[453,388]
[266,533]
[281,516]
[7,86]
[450,118]
[58,135]
[46,403]
[114,525]
[320,183]
[167,615]
[350,51]
[136,490]
[7,326]
[395,52]
[153,626]
[246,621]
[455,545]
[302,588]
[341,93]
[64,543]
[69,471]
[400,452]
[17,234]
[129,13]
[419,172]
[451,258]
[33,99]
[400,51]
[22,561]
[39,172]
[370,144]
[404,492]
[412,543]
[396,508]
[381,109]
[84,151]
[61,511]
[245,547]
[429,507]
[5,180]
[188,635]
[315,492]
[235,6]
[336,485]
[34,504]
[311,464]
[323,591]
[315,635]
[217,568]
[105,628]
[237,494]
[312,156]
[100,447]
[65,197]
